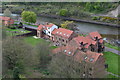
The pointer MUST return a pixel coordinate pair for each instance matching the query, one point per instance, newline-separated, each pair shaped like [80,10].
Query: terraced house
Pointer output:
[7,21]
[95,60]
[62,36]
[95,36]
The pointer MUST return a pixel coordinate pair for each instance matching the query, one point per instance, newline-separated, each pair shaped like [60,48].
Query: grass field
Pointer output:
[111,46]
[112,61]
[34,41]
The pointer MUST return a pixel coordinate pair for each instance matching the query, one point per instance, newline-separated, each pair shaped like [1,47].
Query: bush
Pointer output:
[63,12]
[12,27]
[95,18]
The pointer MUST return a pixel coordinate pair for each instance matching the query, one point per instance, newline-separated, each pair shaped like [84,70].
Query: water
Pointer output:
[11,14]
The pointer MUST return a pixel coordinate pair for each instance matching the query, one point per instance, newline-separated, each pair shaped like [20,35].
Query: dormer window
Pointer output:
[91,60]
[60,32]
[65,50]
[69,53]
[57,32]
[64,34]
[85,57]
[96,38]
[81,43]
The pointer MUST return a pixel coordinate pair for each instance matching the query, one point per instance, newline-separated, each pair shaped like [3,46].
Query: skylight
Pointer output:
[91,59]
[86,57]
[60,32]
[69,52]
[65,50]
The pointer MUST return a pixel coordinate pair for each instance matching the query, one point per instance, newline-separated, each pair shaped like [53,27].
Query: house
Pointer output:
[84,43]
[7,21]
[46,30]
[96,61]
[62,36]
[97,37]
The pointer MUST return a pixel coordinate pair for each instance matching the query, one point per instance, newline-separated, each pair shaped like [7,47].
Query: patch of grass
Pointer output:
[83,35]
[13,32]
[111,46]
[33,41]
[112,61]
[53,47]
[111,76]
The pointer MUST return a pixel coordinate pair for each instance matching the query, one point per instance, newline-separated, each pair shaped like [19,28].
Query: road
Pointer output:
[112,50]
[114,74]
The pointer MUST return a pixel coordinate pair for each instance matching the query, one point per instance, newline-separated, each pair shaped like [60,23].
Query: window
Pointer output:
[90,69]
[65,50]
[64,34]
[63,40]
[49,32]
[69,52]
[60,32]
[91,59]
[57,32]
[86,57]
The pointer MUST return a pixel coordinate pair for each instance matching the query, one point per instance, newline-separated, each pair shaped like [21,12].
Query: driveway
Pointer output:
[112,50]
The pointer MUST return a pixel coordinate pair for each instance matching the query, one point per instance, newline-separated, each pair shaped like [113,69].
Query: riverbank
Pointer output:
[78,20]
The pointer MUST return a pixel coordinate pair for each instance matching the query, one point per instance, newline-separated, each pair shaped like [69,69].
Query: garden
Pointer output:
[112,61]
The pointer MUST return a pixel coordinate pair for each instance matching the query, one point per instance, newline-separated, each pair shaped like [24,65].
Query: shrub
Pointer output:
[63,12]
[96,18]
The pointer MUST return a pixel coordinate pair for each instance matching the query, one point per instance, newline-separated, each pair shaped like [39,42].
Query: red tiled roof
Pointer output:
[68,50]
[77,54]
[85,40]
[5,18]
[62,32]
[88,56]
[40,27]
[80,39]
[49,25]
[95,34]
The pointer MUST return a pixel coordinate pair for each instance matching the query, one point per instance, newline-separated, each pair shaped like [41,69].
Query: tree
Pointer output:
[62,66]
[43,52]
[29,16]
[69,25]
[16,55]
[63,12]
[7,13]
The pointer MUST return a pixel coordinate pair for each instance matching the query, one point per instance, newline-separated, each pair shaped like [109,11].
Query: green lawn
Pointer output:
[112,61]
[34,41]
[111,46]
[53,47]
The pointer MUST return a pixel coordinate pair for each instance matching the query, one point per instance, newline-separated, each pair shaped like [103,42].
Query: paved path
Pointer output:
[30,27]
[112,50]
[113,74]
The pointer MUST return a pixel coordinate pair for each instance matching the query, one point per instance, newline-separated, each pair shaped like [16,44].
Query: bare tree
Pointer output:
[43,54]
[63,66]
[16,54]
